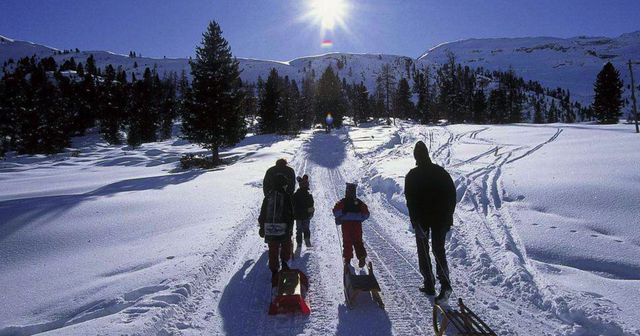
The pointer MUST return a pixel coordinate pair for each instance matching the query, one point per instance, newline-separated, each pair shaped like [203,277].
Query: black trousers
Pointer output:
[438,237]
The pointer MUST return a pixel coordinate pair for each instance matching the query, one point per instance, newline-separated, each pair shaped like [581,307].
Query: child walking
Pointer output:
[303,211]
[350,212]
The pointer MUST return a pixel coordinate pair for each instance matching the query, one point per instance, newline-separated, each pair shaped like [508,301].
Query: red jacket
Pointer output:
[350,210]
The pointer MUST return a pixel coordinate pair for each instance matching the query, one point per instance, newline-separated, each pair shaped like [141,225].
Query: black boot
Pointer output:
[285,267]
[445,293]
[427,289]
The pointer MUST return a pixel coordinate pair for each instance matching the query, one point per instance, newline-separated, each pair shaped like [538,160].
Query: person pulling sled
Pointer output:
[350,212]
[303,211]
[276,224]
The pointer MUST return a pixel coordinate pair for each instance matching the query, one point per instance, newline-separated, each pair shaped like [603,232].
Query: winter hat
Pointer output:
[350,191]
[421,153]
[303,181]
[281,162]
[279,181]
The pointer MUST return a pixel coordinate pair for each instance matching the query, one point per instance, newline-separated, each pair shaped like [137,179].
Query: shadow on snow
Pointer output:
[20,213]
[326,150]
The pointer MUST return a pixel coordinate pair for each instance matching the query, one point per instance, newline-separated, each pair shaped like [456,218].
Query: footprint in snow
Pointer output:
[595,236]
[554,227]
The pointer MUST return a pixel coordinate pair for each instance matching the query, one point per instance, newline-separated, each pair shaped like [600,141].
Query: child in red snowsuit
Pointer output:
[350,212]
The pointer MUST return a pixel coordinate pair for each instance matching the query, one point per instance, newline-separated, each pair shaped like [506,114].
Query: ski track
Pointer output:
[230,293]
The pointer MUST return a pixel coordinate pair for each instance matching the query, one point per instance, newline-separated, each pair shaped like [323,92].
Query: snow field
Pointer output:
[108,243]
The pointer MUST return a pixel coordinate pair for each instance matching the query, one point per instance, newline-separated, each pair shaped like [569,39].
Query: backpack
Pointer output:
[274,225]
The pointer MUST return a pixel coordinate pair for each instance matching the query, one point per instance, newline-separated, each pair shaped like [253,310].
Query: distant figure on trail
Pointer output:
[276,223]
[280,168]
[431,200]
[303,211]
[350,212]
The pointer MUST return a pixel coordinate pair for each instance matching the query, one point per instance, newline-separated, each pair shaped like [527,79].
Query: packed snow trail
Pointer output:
[489,267]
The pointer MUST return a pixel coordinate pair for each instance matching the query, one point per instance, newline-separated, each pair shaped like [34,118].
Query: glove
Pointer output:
[261,233]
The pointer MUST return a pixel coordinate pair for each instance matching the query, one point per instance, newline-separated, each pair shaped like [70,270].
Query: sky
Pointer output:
[283,29]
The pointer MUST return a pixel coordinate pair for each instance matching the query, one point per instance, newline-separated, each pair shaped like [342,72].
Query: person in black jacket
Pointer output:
[303,211]
[276,223]
[280,168]
[431,200]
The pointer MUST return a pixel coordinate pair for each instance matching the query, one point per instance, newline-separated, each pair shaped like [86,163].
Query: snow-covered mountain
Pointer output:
[353,67]
[571,63]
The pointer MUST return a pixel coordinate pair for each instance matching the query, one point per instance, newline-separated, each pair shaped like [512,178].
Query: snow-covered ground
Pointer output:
[120,241]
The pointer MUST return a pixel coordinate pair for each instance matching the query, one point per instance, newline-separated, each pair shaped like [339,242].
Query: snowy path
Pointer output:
[218,282]
[490,269]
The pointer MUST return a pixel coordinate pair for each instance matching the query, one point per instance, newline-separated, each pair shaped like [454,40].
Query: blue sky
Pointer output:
[273,29]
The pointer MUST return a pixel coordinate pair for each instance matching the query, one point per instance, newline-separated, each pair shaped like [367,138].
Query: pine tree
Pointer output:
[330,98]
[111,117]
[270,103]
[497,106]
[479,107]
[552,113]
[361,104]
[307,101]
[538,115]
[422,88]
[607,102]
[142,112]
[167,105]
[403,106]
[387,85]
[214,115]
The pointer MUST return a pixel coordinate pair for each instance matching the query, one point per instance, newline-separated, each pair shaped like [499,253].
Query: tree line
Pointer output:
[43,104]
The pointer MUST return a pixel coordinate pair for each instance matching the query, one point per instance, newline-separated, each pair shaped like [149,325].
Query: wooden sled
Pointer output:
[355,284]
[465,322]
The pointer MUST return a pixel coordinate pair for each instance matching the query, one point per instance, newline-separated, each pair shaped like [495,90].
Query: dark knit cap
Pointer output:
[303,181]
[281,162]
[421,153]
[350,191]
[279,181]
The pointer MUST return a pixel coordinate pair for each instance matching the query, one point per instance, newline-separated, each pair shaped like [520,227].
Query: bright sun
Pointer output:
[328,12]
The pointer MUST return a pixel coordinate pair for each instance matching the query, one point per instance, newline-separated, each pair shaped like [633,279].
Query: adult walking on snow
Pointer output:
[431,200]
[276,224]
[280,168]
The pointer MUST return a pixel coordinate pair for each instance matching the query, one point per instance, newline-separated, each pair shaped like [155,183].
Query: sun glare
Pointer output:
[328,12]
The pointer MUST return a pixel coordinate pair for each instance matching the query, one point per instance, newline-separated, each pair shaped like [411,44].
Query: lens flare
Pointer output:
[329,119]
[327,43]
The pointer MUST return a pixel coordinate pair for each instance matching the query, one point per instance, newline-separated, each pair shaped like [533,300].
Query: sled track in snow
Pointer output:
[394,295]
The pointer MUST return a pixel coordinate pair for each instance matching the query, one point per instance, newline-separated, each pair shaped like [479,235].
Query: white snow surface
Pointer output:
[120,241]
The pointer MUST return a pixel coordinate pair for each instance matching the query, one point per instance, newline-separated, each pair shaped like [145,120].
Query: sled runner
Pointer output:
[290,284]
[355,284]
[465,322]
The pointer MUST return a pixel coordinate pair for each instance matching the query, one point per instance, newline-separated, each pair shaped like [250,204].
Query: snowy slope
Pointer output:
[571,63]
[119,241]
[357,67]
